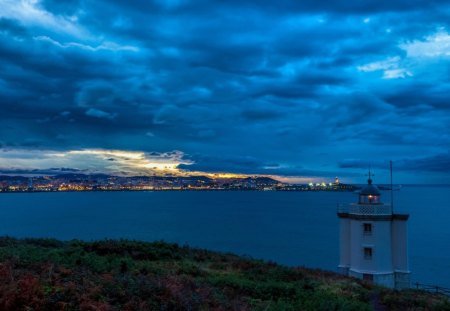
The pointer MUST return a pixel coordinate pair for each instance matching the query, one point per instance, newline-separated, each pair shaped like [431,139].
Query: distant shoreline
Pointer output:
[184,190]
[352,188]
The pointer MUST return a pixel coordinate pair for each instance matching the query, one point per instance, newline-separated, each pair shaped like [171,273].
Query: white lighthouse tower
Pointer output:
[373,240]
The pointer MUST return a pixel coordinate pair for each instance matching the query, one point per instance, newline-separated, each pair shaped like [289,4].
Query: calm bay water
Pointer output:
[293,228]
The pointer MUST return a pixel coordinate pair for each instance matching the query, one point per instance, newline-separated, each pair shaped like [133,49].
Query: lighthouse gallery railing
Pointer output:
[365,209]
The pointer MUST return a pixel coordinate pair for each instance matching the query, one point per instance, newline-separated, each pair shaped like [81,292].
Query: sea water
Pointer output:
[291,228]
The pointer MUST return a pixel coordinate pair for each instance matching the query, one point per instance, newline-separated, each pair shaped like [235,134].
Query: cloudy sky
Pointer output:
[305,89]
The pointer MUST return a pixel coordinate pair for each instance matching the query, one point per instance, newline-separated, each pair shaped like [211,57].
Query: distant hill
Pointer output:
[10,178]
[46,274]
[197,179]
[81,176]
[263,180]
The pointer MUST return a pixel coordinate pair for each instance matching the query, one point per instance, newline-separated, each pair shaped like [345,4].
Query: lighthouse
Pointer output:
[373,240]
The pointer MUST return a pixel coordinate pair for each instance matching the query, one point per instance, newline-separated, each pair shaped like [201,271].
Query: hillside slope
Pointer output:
[45,274]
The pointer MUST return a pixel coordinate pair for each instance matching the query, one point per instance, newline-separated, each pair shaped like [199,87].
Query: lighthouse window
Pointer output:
[367,229]
[367,252]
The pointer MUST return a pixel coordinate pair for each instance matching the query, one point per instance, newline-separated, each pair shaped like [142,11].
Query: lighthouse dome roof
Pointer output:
[370,190]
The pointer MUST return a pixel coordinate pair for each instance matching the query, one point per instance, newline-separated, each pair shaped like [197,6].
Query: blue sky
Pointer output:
[305,90]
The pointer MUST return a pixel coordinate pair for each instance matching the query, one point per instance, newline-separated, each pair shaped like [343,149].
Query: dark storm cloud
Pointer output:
[50,171]
[362,164]
[249,165]
[349,7]
[66,7]
[246,165]
[245,85]
[433,96]
[356,108]
[12,28]
[258,115]
[340,6]
[438,163]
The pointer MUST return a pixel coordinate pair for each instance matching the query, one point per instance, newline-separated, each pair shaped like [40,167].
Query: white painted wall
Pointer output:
[382,261]
[400,245]
[379,241]
[344,244]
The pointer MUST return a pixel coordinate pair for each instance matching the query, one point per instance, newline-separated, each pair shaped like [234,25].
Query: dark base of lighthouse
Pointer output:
[402,280]
[343,270]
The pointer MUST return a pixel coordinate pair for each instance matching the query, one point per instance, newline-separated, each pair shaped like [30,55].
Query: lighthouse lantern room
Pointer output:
[373,240]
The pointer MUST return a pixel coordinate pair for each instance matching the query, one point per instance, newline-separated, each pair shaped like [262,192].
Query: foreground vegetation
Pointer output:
[45,274]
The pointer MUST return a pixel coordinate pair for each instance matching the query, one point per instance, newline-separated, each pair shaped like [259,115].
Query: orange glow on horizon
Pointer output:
[126,163]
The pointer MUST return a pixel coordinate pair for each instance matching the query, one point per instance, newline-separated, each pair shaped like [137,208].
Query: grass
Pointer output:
[47,274]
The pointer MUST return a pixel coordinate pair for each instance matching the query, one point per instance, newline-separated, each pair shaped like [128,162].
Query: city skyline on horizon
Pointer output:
[301,92]
[143,167]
